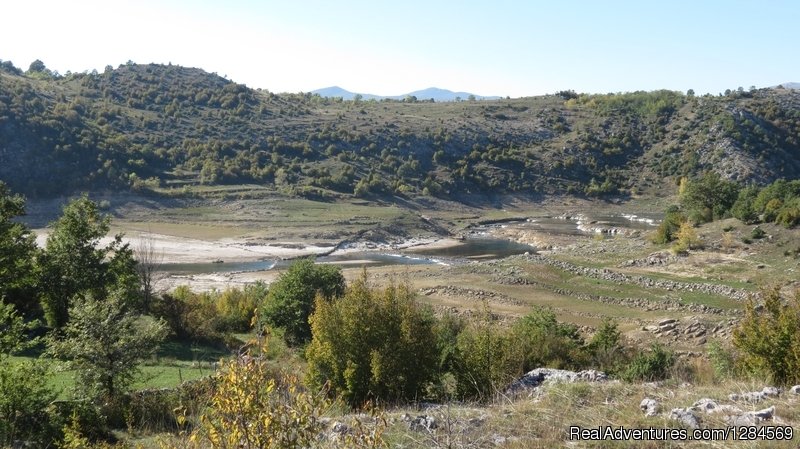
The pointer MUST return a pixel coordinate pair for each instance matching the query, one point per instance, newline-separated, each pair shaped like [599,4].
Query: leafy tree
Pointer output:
[768,338]
[373,344]
[709,197]
[17,255]
[687,238]
[539,340]
[743,208]
[104,341]
[290,301]
[37,66]
[24,390]
[669,226]
[73,261]
[480,361]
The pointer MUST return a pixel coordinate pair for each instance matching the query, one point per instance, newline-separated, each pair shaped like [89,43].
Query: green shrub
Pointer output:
[235,308]
[291,298]
[722,360]
[24,398]
[669,226]
[757,233]
[650,366]
[606,350]
[539,340]
[372,344]
[480,366]
[768,338]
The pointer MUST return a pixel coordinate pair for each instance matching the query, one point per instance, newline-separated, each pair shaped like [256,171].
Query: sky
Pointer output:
[387,47]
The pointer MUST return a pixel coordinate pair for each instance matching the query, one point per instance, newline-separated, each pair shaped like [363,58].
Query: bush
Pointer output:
[235,308]
[757,233]
[480,366]
[291,299]
[373,344]
[650,366]
[24,398]
[669,227]
[255,406]
[539,340]
[209,317]
[768,338]
[606,350]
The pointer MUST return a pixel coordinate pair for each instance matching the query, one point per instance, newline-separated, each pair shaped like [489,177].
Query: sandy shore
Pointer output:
[173,249]
[182,250]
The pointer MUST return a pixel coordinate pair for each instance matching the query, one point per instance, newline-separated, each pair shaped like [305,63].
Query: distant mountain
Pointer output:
[791,85]
[336,91]
[434,93]
[445,95]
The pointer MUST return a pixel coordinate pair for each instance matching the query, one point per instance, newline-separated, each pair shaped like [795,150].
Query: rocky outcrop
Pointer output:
[535,379]
[755,396]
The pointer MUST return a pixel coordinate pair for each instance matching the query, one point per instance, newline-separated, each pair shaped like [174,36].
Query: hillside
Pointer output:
[169,128]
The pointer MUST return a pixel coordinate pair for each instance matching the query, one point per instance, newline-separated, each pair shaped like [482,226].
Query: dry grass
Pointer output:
[544,420]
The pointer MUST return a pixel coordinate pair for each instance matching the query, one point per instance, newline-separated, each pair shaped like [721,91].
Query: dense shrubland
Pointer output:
[170,129]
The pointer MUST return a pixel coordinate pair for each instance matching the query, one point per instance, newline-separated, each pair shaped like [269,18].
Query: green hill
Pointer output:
[162,128]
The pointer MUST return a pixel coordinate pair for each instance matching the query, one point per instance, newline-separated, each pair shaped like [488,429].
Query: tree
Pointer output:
[709,197]
[104,341]
[148,266]
[768,338]
[24,390]
[687,238]
[373,344]
[73,261]
[17,255]
[290,301]
[37,66]
[538,340]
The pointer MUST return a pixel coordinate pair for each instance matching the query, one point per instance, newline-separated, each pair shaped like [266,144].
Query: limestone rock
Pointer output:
[650,407]
[686,417]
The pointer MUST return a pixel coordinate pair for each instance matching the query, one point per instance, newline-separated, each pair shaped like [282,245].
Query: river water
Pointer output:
[477,246]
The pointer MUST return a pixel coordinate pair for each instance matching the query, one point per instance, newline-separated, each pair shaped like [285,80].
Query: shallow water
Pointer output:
[476,248]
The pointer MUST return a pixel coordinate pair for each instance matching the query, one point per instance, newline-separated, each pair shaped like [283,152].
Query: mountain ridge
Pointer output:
[172,130]
[434,93]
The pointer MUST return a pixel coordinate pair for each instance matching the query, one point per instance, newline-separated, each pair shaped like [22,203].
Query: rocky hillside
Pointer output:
[170,128]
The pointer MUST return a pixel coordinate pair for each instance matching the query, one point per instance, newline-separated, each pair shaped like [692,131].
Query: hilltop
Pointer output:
[166,129]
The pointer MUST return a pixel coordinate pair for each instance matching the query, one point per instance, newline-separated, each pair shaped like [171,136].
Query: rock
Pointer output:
[705,405]
[766,413]
[771,391]
[752,418]
[532,380]
[756,396]
[650,407]
[423,422]
[340,428]
[667,321]
[685,416]
[795,389]
[745,420]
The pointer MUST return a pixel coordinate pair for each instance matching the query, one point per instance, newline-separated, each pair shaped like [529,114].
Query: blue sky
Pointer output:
[514,48]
